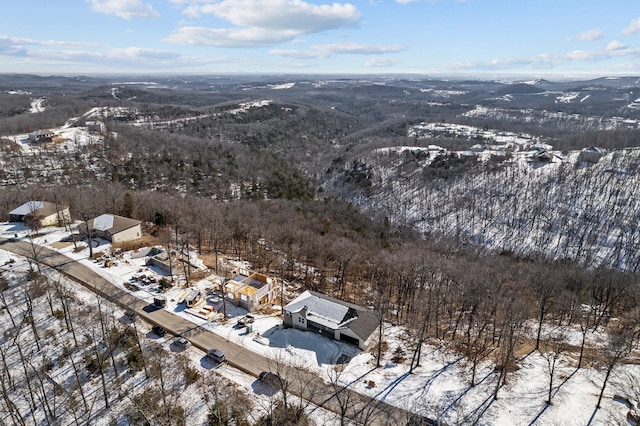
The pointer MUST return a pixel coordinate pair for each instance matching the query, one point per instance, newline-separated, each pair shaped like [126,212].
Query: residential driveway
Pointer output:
[355,406]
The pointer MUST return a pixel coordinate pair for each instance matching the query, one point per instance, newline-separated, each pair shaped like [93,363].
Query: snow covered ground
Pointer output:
[37,105]
[66,138]
[439,388]
[191,398]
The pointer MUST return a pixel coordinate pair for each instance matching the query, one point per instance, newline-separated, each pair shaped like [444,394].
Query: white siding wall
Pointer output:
[127,234]
[49,220]
[299,320]
[53,219]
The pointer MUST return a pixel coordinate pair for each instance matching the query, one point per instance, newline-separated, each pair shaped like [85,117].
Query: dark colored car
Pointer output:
[132,316]
[159,331]
[246,320]
[216,355]
[131,286]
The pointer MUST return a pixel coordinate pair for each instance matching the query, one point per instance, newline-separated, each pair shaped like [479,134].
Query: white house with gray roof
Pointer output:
[113,228]
[333,318]
[46,213]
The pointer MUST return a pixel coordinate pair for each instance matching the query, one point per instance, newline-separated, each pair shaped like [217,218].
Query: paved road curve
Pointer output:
[351,404]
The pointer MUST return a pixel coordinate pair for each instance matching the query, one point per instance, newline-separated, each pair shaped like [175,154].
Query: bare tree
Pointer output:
[555,348]
[544,292]
[295,384]
[31,320]
[34,253]
[621,343]
[342,396]
[586,320]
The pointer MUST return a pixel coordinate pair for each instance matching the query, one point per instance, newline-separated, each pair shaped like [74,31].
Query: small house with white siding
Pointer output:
[113,228]
[46,213]
[333,318]
[41,136]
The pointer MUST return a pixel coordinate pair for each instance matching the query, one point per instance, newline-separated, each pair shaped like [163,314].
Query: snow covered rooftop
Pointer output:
[103,222]
[26,208]
[335,313]
[43,208]
[112,223]
[319,307]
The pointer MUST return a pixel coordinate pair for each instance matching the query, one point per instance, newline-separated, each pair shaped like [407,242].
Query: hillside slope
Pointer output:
[558,208]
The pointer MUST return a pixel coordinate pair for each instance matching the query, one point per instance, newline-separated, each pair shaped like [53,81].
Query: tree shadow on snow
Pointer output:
[555,391]
[391,386]
[261,388]
[593,416]
[437,374]
[480,410]
[466,391]
[208,363]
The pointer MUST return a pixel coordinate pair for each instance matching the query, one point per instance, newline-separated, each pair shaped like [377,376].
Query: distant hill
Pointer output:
[518,88]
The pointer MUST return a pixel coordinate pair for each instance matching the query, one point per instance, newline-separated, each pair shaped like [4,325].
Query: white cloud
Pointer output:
[262,22]
[15,46]
[584,55]
[589,35]
[548,60]
[32,42]
[326,50]
[616,45]
[8,46]
[297,54]
[218,37]
[64,52]
[131,55]
[380,62]
[362,49]
[125,9]
[295,15]
[633,27]
[139,53]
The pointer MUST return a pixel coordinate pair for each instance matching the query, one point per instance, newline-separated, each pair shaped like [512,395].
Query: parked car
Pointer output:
[181,341]
[216,355]
[160,300]
[272,380]
[131,286]
[159,331]
[246,320]
[132,316]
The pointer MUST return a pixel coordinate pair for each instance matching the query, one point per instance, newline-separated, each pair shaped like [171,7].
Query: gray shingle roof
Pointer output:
[358,319]
[112,224]
[43,208]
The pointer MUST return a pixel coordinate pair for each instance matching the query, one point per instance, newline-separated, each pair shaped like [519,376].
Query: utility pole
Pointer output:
[282,289]
[224,298]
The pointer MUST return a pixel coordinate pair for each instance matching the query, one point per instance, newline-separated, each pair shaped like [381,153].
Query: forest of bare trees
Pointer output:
[487,307]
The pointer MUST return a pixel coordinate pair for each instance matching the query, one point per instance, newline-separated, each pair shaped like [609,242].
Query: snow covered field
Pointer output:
[438,388]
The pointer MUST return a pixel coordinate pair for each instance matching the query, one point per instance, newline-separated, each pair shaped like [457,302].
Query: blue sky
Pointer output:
[550,38]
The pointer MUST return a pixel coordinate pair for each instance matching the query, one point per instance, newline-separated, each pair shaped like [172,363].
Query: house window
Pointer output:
[300,319]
